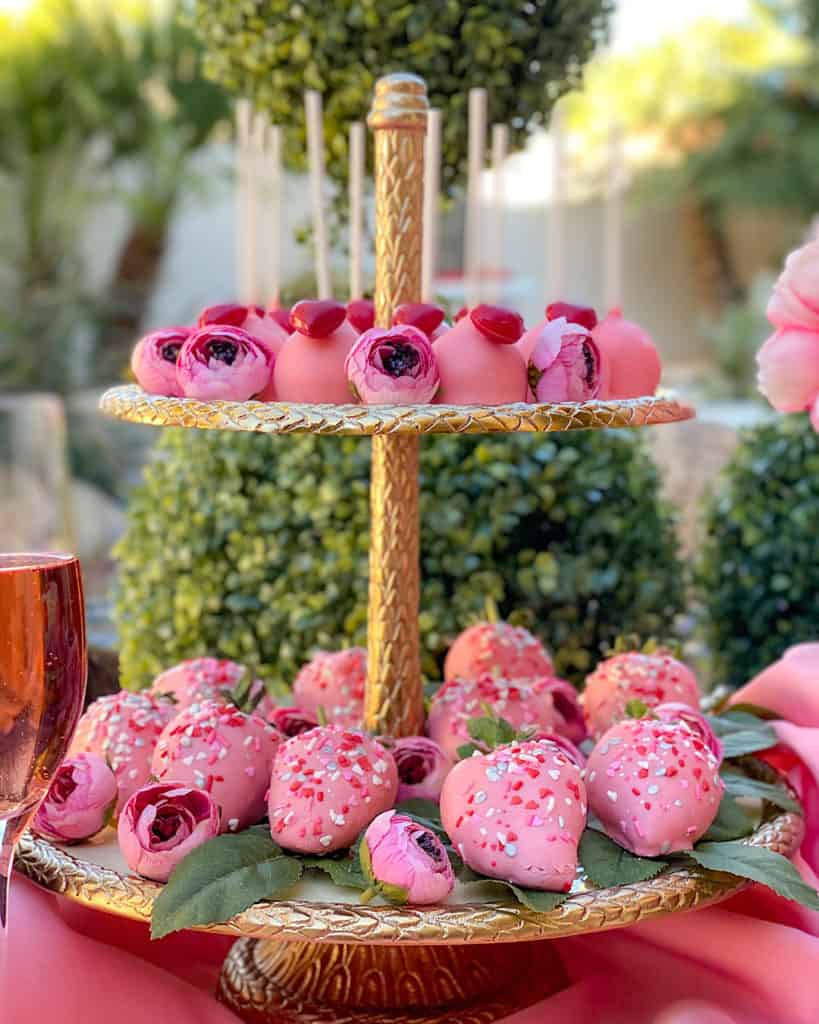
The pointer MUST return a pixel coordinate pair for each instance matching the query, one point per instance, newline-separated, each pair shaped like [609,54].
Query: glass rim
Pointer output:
[30,561]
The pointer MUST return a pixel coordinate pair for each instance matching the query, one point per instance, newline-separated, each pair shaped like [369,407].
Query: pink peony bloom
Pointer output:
[696,722]
[565,364]
[393,367]
[405,861]
[80,802]
[154,359]
[224,362]
[292,721]
[795,299]
[161,824]
[422,767]
[788,365]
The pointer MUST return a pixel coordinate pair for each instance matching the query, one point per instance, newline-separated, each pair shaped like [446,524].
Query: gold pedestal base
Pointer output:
[273,982]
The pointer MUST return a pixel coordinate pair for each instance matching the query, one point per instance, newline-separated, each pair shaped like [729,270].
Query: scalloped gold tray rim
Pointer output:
[300,920]
[129,402]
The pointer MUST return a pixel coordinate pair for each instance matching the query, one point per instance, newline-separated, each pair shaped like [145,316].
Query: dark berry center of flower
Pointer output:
[170,351]
[64,786]
[590,366]
[426,840]
[224,351]
[165,825]
[412,769]
[399,359]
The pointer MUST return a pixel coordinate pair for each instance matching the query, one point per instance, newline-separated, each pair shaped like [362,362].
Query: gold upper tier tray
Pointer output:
[131,403]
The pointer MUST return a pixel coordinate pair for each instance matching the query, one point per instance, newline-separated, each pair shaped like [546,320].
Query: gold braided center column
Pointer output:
[394,697]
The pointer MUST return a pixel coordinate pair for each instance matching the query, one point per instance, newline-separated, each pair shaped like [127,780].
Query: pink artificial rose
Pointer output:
[795,299]
[80,802]
[574,754]
[565,363]
[161,824]
[223,362]
[154,359]
[393,367]
[292,721]
[695,720]
[404,861]
[788,365]
[422,767]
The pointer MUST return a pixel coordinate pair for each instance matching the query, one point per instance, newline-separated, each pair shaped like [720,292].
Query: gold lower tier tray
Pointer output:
[321,957]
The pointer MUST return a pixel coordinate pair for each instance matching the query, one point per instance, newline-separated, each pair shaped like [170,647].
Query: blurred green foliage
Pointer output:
[525,55]
[256,548]
[758,574]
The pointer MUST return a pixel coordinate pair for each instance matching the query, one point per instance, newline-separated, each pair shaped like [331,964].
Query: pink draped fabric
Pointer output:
[751,960]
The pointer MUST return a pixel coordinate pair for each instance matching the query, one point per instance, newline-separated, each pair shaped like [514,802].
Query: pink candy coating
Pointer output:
[629,360]
[312,369]
[334,681]
[223,362]
[407,859]
[477,371]
[520,702]
[154,359]
[651,678]
[215,747]
[517,813]
[327,785]
[197,679]
[123,728]
[654,786]
[497,648]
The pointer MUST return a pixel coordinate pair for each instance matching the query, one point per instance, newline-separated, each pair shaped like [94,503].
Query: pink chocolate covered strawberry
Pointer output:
[655,786]
[545,703]
[123,728]
[650,678]
[197,679]
[327,786]
[497,648]
[334,681]
[215,747]
[517,813]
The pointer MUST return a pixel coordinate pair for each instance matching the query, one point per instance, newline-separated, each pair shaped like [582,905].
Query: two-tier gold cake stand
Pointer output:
[318,957]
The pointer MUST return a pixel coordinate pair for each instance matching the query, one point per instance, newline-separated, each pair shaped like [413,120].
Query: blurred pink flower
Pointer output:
[788,366]
[795,299]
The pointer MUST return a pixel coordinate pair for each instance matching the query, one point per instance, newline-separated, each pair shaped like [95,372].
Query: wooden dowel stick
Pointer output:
[613,223]
[500,150]
[477,149]
[315,156]
[272,209]
[432,189]
[358,141]
[556,255]
[244,116]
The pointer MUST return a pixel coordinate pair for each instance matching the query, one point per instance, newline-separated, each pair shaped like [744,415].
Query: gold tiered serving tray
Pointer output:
[320,956]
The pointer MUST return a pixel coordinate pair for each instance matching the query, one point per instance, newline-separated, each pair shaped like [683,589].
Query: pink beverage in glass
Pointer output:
[43,666]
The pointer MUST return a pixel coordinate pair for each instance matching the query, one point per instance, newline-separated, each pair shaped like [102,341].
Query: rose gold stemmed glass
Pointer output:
[43,666]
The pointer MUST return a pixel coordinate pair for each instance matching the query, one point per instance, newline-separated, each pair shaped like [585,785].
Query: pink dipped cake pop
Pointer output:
[215,747]
[655,786]
[310,366]
[629,360]
[521,702]
[497,648]
[327,785]
[517,814]
[154,358]
[651,679]
[264,327]
[124,728]
[478,361]
[334,681]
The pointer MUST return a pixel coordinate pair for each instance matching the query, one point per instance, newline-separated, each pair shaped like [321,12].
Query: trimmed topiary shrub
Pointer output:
[758,574]
[526,55]
[256,548]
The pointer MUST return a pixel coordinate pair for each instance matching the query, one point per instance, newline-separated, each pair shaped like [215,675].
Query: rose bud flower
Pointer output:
[795,299]
[161,824]
[393,367]
[788,369]
[224,362]
[422,767]
[404,861]
[80,802]
[565,364]
[154,359]
[292,721]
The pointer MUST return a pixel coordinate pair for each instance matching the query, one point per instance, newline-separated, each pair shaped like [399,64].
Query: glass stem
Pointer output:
[10,831]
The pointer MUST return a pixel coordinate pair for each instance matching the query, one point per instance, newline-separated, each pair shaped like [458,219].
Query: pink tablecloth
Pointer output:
[751,960]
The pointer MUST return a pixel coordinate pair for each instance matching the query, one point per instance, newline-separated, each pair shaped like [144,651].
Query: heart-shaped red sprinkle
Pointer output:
[317,318]
[583,315]
[498,324]
[423,315]
[227,313]
[281,314]
[361,314]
